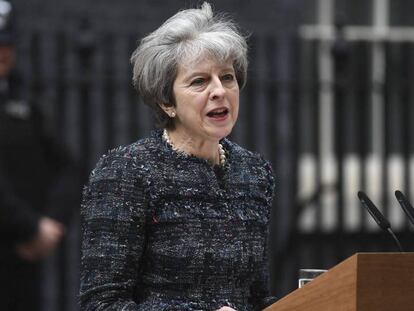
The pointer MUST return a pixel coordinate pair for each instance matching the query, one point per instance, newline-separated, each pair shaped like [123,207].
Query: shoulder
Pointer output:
[252,164]
[139,151]
[125,160]
[246,157]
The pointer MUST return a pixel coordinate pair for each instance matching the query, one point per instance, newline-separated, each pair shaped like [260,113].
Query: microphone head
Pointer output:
[406,205]
[373,211]
[400,196]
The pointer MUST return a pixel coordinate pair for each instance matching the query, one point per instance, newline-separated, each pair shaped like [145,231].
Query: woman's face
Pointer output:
[207,99]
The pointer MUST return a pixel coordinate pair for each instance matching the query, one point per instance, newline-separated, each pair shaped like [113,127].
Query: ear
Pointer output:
[168,109]
[165,107]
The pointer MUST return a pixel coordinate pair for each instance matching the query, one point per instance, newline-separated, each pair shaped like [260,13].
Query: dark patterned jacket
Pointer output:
[163,230]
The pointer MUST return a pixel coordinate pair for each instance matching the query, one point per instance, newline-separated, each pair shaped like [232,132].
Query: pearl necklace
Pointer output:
[222,153]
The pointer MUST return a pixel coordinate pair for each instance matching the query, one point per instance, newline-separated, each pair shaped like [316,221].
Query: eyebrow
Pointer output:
[201,73]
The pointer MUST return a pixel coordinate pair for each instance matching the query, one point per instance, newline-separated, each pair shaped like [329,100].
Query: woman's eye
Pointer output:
[228,77]
[197,81]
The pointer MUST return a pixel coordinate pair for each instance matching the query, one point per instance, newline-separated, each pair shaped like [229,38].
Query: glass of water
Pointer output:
[307,275]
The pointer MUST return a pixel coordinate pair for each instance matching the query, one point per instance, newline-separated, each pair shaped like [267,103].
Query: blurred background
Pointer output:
[329,100]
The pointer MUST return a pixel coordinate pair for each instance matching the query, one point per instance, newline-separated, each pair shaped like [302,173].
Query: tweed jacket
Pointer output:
[164,230]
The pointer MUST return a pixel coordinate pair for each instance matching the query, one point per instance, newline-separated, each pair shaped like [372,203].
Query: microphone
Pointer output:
[382,222]
[406,206]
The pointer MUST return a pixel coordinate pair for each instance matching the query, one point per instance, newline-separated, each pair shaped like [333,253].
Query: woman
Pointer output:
[178,221]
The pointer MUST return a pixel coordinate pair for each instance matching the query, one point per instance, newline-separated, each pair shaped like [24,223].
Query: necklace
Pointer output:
[222,153]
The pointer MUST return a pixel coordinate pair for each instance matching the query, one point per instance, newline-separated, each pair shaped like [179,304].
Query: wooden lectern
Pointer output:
[363,282]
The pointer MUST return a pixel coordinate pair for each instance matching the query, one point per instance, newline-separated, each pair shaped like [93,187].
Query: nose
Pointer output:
[217,90]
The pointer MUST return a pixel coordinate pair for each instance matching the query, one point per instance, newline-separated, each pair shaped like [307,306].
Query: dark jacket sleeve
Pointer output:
[65,187]
[260,294]
[113,228]
[18,222]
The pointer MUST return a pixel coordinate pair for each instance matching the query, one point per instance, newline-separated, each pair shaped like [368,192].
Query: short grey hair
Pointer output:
[187,36]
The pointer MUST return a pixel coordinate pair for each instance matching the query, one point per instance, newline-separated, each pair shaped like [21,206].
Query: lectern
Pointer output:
[363,282]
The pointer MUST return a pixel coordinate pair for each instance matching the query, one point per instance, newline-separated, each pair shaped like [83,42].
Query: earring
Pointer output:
[172,115]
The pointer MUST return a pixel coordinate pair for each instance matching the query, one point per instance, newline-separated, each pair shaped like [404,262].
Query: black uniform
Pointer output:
[36,179]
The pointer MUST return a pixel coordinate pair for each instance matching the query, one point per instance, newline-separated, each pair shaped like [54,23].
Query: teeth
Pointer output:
[219,110]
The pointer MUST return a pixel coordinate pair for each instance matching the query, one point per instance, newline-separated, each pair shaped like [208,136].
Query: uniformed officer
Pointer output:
[36,185]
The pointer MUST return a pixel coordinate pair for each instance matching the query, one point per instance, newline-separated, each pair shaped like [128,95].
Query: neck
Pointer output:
[202,148]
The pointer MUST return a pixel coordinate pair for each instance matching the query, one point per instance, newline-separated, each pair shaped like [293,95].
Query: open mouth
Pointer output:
[218,113]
